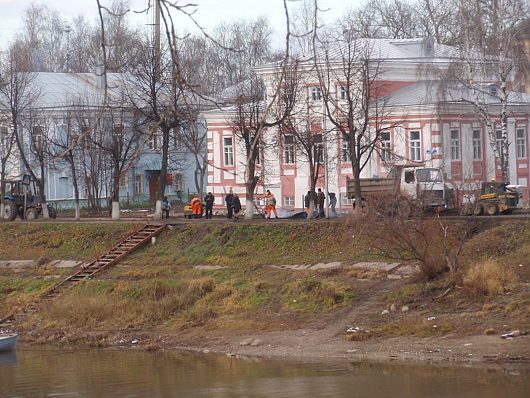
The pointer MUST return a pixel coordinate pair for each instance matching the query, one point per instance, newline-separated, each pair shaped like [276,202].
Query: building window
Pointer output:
[124,180]
[318,149]
[155,141]
[343,93]
[37,138]
[117,131]
[178,181]
[139,184]
[316,93]
[477,145]
[288,149]
[61,134]
[63,188]
[455,144]
[288,201]
[344,149]
[386,147]
[415,146]
[520,135]
[498,143]
[176,138]
[228,146]
[345,200]
[5,139]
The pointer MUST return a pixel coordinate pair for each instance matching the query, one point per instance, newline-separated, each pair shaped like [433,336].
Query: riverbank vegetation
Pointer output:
[234,277]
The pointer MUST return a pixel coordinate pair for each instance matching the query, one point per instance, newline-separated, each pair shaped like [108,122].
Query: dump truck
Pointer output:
[407,187]
[495,198]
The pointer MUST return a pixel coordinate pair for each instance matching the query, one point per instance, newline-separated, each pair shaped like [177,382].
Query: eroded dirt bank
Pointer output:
[277,291]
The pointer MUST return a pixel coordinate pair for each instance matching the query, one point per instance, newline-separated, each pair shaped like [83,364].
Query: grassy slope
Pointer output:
[156,288]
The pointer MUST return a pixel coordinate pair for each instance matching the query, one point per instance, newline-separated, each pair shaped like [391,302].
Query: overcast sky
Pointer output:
[209,13]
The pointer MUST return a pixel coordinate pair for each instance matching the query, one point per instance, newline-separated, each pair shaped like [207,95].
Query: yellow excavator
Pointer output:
[496,198]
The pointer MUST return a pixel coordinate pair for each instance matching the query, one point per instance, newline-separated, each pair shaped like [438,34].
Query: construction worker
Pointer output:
[208,200]
[196,206]
[271,204]
[166,206]
[320,199]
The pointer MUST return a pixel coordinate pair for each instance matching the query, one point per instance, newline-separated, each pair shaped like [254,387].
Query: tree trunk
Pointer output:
[505,159]
[250,185]
[42,195]
[162,178]
[200,170]
[76,186]
[115,211]
[358,207]
[2,191]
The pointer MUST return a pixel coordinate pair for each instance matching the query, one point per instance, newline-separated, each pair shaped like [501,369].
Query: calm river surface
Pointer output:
[100,373]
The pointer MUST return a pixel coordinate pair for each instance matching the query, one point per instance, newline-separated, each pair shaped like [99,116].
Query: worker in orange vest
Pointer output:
[196,206]
[270,202]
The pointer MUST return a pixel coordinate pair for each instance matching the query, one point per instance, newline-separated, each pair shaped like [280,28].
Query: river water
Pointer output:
[109,373]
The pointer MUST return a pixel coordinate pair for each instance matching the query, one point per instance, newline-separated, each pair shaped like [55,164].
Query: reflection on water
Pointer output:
[135,374]
[8,358]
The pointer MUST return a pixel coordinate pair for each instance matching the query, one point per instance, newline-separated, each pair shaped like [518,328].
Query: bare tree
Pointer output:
[301,133]
[7,143]
[94,163]
[192,136]
[34,153]
[117,133]
[356,107]
[253,116]
[17,94]
[438,19]
[486,65]
[63,147]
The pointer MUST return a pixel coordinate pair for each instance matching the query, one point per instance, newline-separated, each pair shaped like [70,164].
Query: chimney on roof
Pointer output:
[428,47]
[101,77]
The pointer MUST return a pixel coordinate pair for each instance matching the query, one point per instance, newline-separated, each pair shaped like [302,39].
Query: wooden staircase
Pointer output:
[113,256]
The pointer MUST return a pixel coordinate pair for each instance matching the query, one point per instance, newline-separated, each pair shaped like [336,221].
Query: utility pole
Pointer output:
[157,40]
[67,30]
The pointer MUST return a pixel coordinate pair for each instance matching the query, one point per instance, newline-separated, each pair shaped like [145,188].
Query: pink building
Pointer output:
[433,123]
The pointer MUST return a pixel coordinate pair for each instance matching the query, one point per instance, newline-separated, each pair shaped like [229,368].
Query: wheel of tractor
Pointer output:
[492,209]
[10,211]
[31,213]
[52,212]
[477,210]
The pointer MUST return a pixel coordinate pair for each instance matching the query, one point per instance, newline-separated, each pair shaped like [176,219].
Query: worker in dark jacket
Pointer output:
[208,201]
[228,200]
[307,202]
[236,207]
[320,199]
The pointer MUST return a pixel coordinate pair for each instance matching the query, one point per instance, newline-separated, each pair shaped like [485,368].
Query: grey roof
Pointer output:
[60,90]
[419,49]
[430,92]
[65,89]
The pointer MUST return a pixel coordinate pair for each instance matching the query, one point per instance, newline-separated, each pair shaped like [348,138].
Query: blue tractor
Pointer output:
[21,200]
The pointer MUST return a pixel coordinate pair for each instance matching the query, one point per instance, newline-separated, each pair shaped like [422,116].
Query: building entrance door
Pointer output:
[153,185]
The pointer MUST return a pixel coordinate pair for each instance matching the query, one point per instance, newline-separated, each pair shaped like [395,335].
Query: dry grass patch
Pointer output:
[414,325]
[488,278]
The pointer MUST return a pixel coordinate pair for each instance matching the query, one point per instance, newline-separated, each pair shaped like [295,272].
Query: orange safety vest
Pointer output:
[196,205]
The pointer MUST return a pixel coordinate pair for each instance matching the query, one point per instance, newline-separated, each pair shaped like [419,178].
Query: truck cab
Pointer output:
[426,185]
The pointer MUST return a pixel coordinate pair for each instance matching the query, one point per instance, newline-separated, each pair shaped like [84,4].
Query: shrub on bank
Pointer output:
[489,277]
